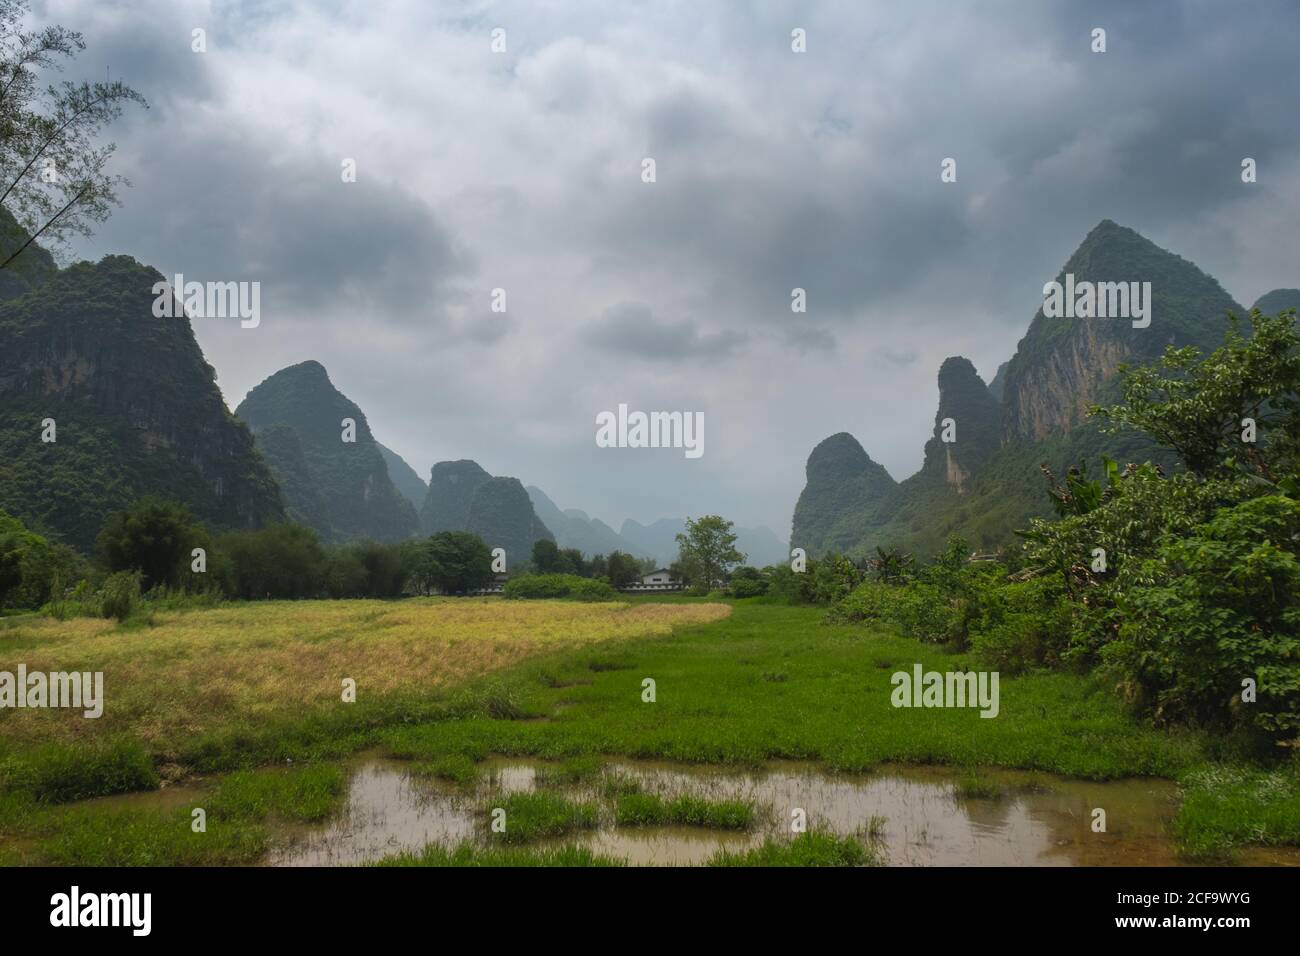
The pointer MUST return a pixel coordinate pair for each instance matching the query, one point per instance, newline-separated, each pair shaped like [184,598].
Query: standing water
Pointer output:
[1017,818]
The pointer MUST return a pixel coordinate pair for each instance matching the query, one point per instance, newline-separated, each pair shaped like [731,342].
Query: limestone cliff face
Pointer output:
[1063,365]
[969,415]
[985,484]
[136,408]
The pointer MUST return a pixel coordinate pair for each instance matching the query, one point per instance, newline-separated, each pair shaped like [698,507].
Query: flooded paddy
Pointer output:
[915,816]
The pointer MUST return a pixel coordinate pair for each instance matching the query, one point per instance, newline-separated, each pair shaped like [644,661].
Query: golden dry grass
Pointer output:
[195,670]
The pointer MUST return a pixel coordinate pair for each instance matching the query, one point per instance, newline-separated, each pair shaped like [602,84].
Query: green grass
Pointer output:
[806,849]
[972,786]
[90,837]
[571,771]
[716,703]
[536,816]
[467,854]
[1227,808]
[643,809]
[458,768]
[303,795]
[769,682]
[58,772]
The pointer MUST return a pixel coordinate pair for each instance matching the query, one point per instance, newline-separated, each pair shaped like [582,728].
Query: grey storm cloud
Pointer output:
[775,171]
[632,329]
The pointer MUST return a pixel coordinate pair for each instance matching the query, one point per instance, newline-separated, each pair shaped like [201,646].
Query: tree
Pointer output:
[52,172]
[32,569]
[153,536]
[571,562]
[622,569]
[706,550]
[1199,406]
[454,562]
[546,556]
[748,582]
[278,561]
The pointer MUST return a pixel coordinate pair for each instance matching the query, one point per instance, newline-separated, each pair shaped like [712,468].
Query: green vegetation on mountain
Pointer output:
[451,488]
[844,487]
[405,478]
[135,409]
[1279,300]
[988,482]
[280,446]
[344,491]
[464,497]
[501,513]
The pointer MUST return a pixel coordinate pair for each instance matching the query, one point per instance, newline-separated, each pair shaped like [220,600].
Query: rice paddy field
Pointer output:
[491,732]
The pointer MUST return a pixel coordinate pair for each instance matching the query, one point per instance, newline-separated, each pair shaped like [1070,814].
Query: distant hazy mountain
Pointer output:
[574,529]
[350,479]
[135,407]
[404,478]
[987,482]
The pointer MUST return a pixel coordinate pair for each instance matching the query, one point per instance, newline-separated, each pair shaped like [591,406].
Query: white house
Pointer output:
[662,577]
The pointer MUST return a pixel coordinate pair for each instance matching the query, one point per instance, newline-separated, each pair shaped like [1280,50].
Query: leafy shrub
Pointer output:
[870,602]
[120,594]
[155,537]
[570,586]
[835,577]
[57,773]
[796,587]
[748,582]
[1021,625]
[1222,605]
[278,561]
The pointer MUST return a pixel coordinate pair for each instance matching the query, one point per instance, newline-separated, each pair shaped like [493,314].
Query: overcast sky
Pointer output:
[522,170]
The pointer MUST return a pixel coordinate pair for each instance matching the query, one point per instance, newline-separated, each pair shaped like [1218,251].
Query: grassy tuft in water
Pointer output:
[534,816]
[467,854]
[644,810]
[813,848]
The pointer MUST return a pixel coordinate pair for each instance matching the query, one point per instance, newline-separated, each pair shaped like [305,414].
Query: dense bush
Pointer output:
[748,582]
[1011,626]
[120,594]
[559,586]
[156,538]
[278,561]
[451,562]
[32,569]
[1222,606]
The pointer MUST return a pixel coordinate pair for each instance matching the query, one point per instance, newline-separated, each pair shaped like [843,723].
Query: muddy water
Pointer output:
[1034,820]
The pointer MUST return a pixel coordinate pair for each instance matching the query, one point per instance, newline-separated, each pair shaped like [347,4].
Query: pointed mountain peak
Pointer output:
[1063,363]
